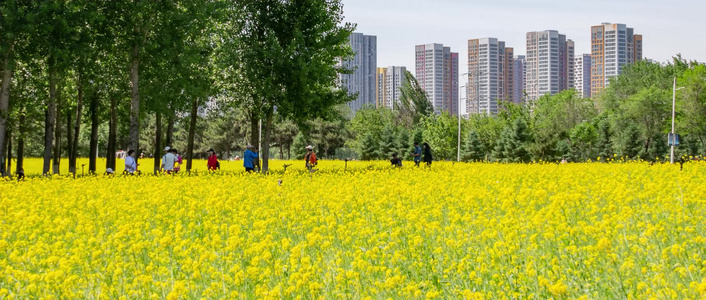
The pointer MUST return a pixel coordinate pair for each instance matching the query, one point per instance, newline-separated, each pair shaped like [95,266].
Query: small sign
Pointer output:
[673,139]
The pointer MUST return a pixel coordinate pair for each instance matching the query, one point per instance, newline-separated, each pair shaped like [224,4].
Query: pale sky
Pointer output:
[668,27]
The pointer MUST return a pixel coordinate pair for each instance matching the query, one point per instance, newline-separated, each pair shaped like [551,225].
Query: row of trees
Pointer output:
[630,119]
[142,74]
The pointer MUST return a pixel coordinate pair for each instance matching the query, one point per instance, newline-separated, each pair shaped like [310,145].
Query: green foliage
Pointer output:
[403,147]
[414,103]
[441,132]
[387,145]
[472,148]
[299,146]
[369,145]
[513,144]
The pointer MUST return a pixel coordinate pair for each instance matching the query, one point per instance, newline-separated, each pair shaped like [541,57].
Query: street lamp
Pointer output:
[673,139]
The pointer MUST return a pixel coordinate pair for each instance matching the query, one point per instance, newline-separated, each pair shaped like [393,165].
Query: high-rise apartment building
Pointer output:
[363,81]
[388,89]
[490,75]
[612,47]
[519,69]
[549,63]
[582,75]
[380,87]
[437,72]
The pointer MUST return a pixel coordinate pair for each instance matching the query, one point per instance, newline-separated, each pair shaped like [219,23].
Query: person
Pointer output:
[142,155]
[168,160]
[417,154]
[310,158]
[109,172]
[212,160]
[396,162]
[427,155]
[21,174]
[177,161]
[563,161]
[130,163]
[248,159]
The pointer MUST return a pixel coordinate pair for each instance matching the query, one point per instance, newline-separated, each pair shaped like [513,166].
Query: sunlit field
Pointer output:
[361,231]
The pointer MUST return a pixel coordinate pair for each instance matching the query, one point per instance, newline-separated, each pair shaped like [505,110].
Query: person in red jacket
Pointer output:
[310,157]
[212,160]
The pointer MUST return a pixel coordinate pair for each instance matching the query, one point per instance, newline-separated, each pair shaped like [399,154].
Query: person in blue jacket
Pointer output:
[248,159]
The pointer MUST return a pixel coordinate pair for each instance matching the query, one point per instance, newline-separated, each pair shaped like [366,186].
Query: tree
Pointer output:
[387,145]
[441,132]
[629,142]
[369,149]
[414,103]
[299,145]
[403,147]
[287,55]
[582,139]
[513,144]
[472,148]
[691,104]
[604,143]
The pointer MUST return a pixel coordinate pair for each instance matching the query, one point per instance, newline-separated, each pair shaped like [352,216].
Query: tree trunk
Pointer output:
[57,135]
[266,142]
[113,136]
[170,130]
[5,101]
[289,151]
[281,151]
[69,139]
[135,102]
[93,152]
[254,130]
[73,155]
[20,145]
[8,170]
[157,143]
[50,119]
[192,133]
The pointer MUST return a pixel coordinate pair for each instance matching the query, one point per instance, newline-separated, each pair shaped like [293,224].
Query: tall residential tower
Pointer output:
[612,47]
[388,89]
[549,63]
[364,64]
[490,75]
[437,72]
[582,75]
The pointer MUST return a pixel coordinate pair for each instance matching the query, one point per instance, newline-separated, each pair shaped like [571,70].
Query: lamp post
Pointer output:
[674,106]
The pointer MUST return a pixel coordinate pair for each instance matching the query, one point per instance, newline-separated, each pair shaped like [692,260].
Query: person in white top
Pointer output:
[130,163]
[168,160]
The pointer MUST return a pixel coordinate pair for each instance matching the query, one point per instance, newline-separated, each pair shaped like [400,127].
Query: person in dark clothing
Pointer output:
[427,155]
[396,162]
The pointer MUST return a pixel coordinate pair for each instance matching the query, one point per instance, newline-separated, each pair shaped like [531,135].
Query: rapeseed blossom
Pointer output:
[455,231]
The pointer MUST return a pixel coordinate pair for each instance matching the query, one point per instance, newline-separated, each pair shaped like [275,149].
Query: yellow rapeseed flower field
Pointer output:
[455,231]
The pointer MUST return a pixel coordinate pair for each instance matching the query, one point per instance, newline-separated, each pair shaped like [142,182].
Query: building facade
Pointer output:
[380,87]
[363,81]
[490,75]
[612,47]
[519,71]
[549,63]
[582,75]
[390,81]
[436,70]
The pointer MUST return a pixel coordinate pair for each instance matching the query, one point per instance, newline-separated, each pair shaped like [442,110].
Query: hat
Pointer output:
[109,171]
[309,147]
[167,148]
[250,146]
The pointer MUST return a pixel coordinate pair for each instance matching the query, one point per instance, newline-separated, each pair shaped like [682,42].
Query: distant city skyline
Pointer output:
[668,28]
